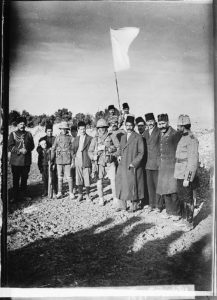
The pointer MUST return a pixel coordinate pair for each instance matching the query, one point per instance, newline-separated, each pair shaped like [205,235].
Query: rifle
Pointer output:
[50,182]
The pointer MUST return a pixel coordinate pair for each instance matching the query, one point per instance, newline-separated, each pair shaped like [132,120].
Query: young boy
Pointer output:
[43,159]
[61,151]
[82,164]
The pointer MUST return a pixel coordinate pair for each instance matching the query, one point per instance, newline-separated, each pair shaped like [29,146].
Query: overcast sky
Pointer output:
[61,57]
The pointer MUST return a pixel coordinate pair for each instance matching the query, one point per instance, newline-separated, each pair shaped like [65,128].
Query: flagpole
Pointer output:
[116,81]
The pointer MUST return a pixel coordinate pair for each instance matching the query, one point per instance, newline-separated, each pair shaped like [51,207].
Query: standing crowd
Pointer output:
[154,169]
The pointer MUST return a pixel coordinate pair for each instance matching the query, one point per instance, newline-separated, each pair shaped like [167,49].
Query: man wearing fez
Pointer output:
[130,174]
[20,145]
[152,136]
[49,139]
[187,158]
[140,122]
[82,161]
[103,151]
[167,184]
[123,116]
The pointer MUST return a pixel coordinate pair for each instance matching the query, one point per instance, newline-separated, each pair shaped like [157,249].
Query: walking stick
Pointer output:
[50,185]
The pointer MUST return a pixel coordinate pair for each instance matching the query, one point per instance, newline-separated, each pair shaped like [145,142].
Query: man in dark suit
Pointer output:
[81,161]
[140,122]
[20,144]
[49,139]
[152,136]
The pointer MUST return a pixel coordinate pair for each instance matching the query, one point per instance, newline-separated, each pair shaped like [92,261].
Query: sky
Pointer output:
[61,56]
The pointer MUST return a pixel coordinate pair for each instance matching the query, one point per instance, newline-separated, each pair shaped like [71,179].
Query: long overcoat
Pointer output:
[130,182]
[167,184]
[153,145]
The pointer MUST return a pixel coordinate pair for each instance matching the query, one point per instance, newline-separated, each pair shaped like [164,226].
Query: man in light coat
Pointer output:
[130,175]
[187,158]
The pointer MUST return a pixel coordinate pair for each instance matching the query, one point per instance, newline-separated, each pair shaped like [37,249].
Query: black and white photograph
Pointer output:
[111,145]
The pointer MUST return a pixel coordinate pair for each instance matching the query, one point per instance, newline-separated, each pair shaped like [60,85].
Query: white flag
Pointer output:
[121,40]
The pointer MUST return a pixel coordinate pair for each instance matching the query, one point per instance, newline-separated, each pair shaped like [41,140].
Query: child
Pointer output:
[43,159]
[61,151]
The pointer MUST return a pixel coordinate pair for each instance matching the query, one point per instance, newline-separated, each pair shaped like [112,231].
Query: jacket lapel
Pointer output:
[86,140]
[130,140]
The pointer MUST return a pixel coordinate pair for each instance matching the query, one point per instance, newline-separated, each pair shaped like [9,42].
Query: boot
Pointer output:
[80,193]
[100,192]
[70,183]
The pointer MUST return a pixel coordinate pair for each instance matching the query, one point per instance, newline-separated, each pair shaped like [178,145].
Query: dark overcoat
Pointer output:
[168,143]
[130,182]
[86,161]
[153,146]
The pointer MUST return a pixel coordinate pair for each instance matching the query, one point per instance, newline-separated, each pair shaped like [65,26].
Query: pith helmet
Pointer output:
[64,125]
[101,123]
[183,120]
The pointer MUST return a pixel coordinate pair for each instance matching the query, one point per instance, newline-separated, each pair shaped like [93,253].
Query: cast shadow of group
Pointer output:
[102,256]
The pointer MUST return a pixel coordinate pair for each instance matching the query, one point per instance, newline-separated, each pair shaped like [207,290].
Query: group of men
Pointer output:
[152,169]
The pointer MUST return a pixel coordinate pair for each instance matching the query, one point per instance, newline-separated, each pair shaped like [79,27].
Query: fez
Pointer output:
[81,124]
[48,126]
[149,116]
[163,117]
[125,105]
[21,120]
[111,107]
[130,119]
[140,120]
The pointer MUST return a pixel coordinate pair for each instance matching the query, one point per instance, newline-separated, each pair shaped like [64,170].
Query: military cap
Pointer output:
[81,124]
[111,107]
[140,120]
[163,117]
[125,105]
[101,123]
[21,120]
[130,119]
[149,116]
[183,120]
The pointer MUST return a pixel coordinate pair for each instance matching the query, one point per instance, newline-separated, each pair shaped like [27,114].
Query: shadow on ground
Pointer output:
[104,257]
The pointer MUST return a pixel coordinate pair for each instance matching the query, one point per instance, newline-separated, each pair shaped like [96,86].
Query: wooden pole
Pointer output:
[116,81]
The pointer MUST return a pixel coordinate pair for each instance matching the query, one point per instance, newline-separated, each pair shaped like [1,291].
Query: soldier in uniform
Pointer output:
[152,136]
[20,144]
[167,184]
[114,128]
[103,151]
[62,154]
[187,158]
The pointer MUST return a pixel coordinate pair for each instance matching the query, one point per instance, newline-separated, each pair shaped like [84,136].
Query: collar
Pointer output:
[185,134]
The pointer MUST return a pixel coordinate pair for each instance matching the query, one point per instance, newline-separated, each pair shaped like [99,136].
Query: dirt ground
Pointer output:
[66,243]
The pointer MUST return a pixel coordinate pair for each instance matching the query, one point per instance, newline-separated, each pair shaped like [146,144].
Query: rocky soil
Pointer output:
[66,243]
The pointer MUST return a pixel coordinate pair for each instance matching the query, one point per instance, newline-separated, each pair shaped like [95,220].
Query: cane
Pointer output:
[50,186]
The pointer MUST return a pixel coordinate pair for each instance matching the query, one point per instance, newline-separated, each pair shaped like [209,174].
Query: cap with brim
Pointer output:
[184,120]
[149,116]
[163,117]
[48,127]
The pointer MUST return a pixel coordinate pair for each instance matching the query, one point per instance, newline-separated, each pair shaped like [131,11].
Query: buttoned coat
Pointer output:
[167,184]
[153,147]
[187,157]
[18,140]
[86,161]
[130,182]
[61,150]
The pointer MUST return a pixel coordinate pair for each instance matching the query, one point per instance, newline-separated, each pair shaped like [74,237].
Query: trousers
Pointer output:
[154,198]
[172,204]
[20,176]
[185,195]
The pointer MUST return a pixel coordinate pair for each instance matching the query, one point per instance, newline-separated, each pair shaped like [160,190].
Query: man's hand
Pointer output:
[23,151]
[131,166]
[185,183]
[119,159]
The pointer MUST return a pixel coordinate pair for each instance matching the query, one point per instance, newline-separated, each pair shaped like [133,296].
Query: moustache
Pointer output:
[163,128]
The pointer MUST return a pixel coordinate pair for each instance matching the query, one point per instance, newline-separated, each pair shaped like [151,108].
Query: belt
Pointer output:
[179,160]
